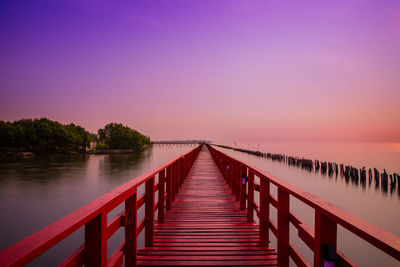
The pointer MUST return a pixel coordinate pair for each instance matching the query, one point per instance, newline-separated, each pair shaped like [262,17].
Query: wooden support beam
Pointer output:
[169,187]
[161,190]
[264,211]
[96,241]
[283,228]
[250,197]
[243,178]
[149,214]
[325,233]
[130,231]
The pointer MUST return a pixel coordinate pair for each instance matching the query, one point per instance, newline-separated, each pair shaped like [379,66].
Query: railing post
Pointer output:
[233,177]
[182,171]
[243,187]
[264,211]
[169,187]
[161,191]
[283,228]
[96,241]
[228,172]
[149,212]
[238,180]
[173,180]
[250,197]
[185,161]
[224,161]
[130,231]
[325,233]
[178,175]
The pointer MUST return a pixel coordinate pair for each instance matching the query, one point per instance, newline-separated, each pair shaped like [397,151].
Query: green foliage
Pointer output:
[118,136]
[42,136]
[102,146]
[94,137]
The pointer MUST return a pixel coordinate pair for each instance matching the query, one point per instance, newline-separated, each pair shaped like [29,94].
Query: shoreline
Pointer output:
[29,154]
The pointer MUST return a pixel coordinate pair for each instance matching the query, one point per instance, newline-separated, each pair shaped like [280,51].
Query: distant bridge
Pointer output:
[182,142]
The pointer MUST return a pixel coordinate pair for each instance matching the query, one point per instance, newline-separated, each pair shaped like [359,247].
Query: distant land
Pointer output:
[186,142]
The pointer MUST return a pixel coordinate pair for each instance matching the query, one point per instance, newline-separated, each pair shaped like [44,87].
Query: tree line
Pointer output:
[118,136]
[46,136]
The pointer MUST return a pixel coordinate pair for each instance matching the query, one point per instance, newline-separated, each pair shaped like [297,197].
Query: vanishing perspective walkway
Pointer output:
[205,226]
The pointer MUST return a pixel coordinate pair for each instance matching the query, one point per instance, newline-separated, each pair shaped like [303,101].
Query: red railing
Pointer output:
[98,230]
[327,215]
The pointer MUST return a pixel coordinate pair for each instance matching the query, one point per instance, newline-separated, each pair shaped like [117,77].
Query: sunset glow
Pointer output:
[248,71]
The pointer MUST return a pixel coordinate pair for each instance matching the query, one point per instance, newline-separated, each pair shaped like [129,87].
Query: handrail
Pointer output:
[94,217]
[327,215]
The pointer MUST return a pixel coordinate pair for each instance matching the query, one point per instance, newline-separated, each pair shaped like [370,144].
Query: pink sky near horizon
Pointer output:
[220,70]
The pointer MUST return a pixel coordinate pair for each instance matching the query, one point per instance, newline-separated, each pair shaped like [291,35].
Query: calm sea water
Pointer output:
[39,191]
[369,203]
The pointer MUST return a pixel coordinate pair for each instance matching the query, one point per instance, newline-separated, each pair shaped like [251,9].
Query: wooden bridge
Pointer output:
[205,216]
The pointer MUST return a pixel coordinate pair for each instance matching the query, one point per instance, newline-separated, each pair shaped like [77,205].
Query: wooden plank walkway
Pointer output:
[205,226]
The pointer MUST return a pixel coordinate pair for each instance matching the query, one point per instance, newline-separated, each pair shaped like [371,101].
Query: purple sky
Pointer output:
[248,71]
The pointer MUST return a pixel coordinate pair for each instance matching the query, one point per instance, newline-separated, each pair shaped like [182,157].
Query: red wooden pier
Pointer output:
[205,217]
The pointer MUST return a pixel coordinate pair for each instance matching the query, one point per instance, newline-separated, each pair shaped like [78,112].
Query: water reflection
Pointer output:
[44,189]
[43,169]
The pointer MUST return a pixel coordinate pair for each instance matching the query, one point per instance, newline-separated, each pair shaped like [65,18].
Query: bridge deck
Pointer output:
[205,226]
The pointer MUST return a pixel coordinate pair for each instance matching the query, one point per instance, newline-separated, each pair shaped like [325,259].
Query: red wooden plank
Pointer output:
[209,263]
[298,259]
[205,253]
[114,225]
[140,227]
[221,248]
[344,261]
[75,259]
[207,257]
[140,201]
[117,257]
